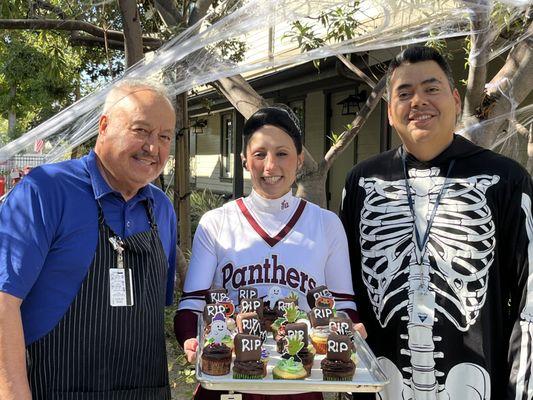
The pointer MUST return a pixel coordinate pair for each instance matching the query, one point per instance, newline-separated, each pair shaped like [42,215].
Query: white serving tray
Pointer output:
[368,377]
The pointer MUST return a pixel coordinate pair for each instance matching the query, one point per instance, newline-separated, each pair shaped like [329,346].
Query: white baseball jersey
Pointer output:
[278,246]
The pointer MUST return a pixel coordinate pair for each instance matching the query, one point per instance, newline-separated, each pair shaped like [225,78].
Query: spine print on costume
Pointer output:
[526,325]
[446,278]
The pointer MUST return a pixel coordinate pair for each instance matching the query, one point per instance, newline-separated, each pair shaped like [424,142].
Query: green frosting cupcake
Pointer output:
[289,369]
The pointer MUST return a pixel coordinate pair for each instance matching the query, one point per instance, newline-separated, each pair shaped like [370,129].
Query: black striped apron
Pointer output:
[110,353]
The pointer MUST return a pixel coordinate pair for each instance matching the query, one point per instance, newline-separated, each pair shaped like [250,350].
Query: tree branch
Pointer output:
[347,136]
[168,12]
[132,31]
[515,78]
[369,81]
[77,39]
[247,101]
[477,74]
[240,94]
[199,11]
[70,25]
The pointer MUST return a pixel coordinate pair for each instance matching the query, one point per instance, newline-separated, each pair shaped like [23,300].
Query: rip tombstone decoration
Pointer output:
[247,347]
[339,347]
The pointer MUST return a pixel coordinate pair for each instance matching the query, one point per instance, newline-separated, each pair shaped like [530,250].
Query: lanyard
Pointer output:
[421,242]
[118,246]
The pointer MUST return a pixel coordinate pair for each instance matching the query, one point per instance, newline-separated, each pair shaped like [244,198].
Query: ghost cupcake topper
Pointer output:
[274,294]
[219,330]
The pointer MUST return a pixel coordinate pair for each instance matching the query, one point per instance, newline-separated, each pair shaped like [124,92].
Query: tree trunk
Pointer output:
[12,114]
[515,78]
[312,185]
[182,205]
[240,94]
[477,71]
[132,31]
[181,268]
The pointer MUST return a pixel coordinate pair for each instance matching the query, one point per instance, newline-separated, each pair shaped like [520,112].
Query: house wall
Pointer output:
[315,124]
[365,145]
[207,159]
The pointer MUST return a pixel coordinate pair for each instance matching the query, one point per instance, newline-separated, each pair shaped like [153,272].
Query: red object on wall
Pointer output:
[2,185]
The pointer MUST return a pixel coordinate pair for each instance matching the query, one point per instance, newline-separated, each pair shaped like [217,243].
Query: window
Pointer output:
[226,151]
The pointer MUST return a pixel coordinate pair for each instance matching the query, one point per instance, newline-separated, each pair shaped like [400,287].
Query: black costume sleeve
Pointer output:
[518,227]
[350,220]
[347,217]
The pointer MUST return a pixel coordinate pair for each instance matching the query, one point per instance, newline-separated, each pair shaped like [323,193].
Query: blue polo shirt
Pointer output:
[49,233]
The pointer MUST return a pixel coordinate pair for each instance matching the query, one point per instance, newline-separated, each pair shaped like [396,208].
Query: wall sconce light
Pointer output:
[198,126]
[352,104]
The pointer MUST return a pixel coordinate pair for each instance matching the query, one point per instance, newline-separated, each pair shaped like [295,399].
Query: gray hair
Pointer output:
[125,87]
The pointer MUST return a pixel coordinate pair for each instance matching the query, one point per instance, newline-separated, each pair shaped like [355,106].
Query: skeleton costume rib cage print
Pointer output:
[453,319]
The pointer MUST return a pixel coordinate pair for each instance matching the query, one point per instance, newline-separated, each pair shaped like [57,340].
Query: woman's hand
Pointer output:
[189,347]
[361,329]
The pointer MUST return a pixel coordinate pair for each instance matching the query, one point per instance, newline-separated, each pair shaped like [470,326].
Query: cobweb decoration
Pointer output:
[194,58]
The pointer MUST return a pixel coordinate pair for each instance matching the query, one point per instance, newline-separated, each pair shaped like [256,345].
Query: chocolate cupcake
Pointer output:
[307,353]
[248,363]
[216,359]
[338,364]
[307,356]
[319,317]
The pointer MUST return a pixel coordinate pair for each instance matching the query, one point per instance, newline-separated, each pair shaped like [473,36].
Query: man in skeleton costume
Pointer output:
[440,233]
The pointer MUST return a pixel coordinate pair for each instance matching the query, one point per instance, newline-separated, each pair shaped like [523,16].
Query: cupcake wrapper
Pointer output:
[334,376]
[337,378]
[216,368]
[244,376]
[321,348]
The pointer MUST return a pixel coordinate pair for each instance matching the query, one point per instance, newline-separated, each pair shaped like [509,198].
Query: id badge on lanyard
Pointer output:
[423,312]
[120,279]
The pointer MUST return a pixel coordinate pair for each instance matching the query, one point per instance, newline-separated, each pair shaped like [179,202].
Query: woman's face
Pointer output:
[272,161]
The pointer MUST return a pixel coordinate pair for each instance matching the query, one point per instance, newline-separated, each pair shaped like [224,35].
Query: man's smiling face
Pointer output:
[134,141]
[423,108]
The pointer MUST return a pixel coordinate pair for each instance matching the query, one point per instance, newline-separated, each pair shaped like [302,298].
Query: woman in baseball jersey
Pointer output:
[271,240]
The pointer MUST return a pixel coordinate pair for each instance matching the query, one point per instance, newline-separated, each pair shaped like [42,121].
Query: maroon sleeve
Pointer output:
[185,325]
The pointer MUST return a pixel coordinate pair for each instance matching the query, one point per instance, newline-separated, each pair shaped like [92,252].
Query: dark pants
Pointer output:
[203,394]
[363,396]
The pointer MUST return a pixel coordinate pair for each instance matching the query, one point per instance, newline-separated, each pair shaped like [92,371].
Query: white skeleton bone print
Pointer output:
[452,268]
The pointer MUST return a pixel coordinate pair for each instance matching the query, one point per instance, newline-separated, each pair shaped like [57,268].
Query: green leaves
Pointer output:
[337,25]
[38,73]
[304,35]
[336,137]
